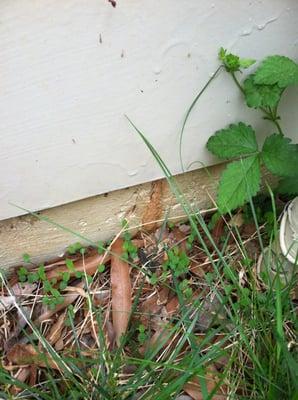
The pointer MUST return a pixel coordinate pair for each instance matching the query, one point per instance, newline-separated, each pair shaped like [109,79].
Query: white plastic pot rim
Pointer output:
[273,261]
[288,235]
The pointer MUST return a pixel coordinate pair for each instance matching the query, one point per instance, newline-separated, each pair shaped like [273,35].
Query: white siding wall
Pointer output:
[71,69]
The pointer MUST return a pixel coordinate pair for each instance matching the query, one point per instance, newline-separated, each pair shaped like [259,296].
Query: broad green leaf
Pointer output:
[280,156]
[278,70]
[261,95]
[288,185]
[239,181]
[234,141]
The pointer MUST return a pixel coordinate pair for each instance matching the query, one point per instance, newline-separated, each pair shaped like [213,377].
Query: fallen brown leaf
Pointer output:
[163,295]
[193,388]
[68,299]
[222,340]
[218,230]
[33,375]
[121,290]
[91,332]
[57,263]
[59,345]
[172,306]
[21,322]
[200,265]
[209,311]
[56,329]
[237,220]
[75,289]
[138,242]
[23,289]
[26,354]
[179,238]
[100,298]
[196,269]
[110,334]
[22,375]
[6,302]
[159,339]
[150,309]
[89,264]
[151,305]
[248,229]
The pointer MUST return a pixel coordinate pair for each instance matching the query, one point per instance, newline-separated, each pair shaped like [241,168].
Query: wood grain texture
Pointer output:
[99,217]
[96,218]
[153,211]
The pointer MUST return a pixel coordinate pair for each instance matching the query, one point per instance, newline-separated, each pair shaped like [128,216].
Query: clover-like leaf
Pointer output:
[234,141]
[280,156]
[239,181]
[278,70]
[261,95]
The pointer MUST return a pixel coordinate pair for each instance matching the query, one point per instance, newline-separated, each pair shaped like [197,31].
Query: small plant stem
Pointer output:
[278,126]
[237,82]
[270,115]
[190,109]
[273,118]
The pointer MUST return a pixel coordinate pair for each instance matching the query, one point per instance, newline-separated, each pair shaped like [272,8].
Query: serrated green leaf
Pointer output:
[33,277]
[261,95]
[232,62]
[62,285]
[65,276]
[47,286]
[73,248]
[280,156]
[288,185]
[42,273]
[234,141]
[278,70]
[70,265]
[23,271]
[239,181]
[246,62]
[55,292]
